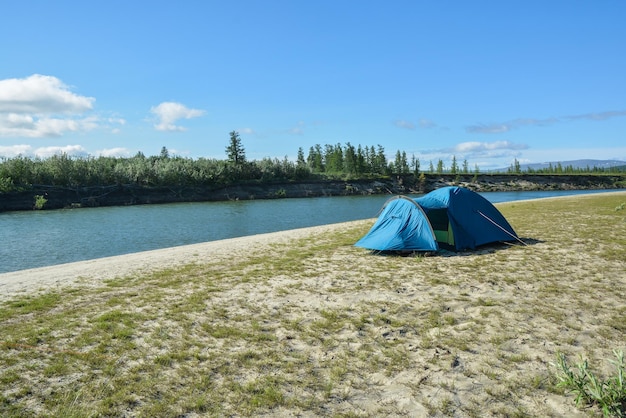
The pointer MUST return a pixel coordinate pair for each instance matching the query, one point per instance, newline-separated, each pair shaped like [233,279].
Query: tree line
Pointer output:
[338,161]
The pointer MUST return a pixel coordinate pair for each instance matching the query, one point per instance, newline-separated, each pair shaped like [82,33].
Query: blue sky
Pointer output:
[485,81]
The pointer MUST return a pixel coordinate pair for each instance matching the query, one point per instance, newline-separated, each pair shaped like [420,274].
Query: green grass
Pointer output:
[608,395]
[317,326]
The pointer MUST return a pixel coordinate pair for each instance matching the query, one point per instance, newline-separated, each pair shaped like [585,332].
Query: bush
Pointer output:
[40,202]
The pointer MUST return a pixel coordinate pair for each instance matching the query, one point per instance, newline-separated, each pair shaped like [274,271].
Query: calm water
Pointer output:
[43,238]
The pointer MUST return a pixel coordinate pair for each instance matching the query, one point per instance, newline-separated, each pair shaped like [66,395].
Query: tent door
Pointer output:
[441,226]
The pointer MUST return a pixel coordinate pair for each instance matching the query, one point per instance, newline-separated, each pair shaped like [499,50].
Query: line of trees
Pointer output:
[321,162]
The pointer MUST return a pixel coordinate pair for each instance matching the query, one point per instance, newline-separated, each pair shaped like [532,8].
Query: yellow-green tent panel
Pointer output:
[445,237]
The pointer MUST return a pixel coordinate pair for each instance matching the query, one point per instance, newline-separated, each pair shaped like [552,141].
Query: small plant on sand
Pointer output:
[609,395]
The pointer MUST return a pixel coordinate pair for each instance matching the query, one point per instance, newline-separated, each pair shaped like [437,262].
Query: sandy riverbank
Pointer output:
[301,323]
[95,271]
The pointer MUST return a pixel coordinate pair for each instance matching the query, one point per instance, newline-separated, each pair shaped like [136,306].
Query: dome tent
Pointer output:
[402,225]
[453,217]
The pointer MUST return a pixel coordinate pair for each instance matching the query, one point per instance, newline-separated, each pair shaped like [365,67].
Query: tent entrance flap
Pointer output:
[438,218]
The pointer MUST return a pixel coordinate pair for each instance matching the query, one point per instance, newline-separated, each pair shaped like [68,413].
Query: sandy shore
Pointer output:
[333,328]
[94,271]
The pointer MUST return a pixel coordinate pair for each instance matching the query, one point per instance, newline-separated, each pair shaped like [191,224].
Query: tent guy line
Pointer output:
[493,222]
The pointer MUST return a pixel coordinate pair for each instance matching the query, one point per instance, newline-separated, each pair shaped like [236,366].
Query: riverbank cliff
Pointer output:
[53,197]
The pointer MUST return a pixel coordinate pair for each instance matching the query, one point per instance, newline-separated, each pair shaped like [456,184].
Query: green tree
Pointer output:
[439,166]
[333,158]
[455,167]
[401,164]
[315,159]
[302,169]
[235,151]
[381,161]
[300,159]
[350,159]
[361,160]
[405,163]
[415,163]
[397,165]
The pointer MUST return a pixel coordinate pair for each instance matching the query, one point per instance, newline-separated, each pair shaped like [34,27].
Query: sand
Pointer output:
[39,279]
[473,334]
[25,282]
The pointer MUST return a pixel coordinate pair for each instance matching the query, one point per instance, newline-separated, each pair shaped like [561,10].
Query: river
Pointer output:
[43,238]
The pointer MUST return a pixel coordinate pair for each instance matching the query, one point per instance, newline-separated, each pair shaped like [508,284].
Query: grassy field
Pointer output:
[317,327]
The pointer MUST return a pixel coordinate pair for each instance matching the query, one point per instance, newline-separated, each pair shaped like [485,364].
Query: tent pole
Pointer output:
[493,222]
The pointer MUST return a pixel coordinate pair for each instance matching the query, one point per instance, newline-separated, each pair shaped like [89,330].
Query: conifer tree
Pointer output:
[235,151]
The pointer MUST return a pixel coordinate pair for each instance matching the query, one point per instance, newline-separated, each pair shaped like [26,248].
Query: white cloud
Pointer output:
[422,123]
[476,148]
[498,128]
[427,123]
[40,94]
[29,126]
[404,124]
[11,151]
[247,131]
[298,129]
[485,154]
[74,150]
[473,147]
[170,112]
[598,116]
[115,152]
[486,150]
[42,106]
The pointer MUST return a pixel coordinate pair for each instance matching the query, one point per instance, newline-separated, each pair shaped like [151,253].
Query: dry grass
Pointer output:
[317,327]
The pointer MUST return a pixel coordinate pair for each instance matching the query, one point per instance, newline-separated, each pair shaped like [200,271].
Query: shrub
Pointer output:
[40,202]
[609,395]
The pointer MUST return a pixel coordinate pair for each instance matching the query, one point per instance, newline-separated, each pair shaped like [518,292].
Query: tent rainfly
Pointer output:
[452,217]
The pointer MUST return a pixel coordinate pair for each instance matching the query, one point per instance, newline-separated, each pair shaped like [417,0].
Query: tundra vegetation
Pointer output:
[338,161]
[316,326]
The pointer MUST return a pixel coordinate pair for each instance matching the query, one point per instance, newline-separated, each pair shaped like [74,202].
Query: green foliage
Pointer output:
[455,167]
[439,166]
[6,184]
[235,150]
[40,202]
[609,395]
[164,170]
[349,160]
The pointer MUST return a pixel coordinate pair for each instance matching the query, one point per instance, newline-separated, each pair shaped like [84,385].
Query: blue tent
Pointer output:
[402,225]
[454,217]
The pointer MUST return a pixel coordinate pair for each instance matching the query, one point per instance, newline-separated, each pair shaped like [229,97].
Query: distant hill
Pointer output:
[576,164]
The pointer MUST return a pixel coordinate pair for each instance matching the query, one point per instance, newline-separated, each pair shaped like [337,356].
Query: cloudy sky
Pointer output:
[485,81]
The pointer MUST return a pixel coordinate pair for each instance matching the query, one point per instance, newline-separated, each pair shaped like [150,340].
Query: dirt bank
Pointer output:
[123,194]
